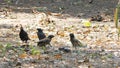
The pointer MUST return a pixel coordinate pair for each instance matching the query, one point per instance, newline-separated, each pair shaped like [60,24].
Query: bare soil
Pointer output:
[60,18]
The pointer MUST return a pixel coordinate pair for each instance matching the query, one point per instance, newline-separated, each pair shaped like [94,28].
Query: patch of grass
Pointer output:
[35,51]
[8,46]
[109,55]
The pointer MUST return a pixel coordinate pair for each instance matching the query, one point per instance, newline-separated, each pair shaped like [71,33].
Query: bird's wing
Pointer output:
[41,35]
[23,33]
[44,40]
[77,42]
[26,35]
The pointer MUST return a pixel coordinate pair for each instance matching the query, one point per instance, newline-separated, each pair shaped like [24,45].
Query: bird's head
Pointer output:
[39,29]
[21,27]
[71,35]
[50,36]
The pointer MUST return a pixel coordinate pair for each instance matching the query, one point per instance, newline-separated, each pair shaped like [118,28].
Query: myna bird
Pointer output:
[40,34]
[45,41]
[74,41]
[23,35]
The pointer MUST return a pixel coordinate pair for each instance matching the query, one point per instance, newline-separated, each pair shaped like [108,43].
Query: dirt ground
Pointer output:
[60,18]
[62,12]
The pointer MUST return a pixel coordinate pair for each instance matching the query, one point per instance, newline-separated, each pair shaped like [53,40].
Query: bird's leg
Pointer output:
[76,50]
[37,43]
[50,45]
[25,41]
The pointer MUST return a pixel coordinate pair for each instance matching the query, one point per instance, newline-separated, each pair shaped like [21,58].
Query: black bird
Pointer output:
[23,35]
[45,41]
[40,34]
[74,41]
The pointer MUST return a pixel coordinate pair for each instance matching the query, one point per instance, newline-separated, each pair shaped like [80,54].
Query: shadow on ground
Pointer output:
[76,8]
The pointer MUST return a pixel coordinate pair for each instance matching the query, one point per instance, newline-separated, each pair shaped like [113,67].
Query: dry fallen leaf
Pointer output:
[99,41]
[51,28]
[96,30]
[23,55]
[106,27]
[58,56]
[49,13]
[56,14]
[34,36]
[61,33]
[55,40]
[37,56]
[87,32]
